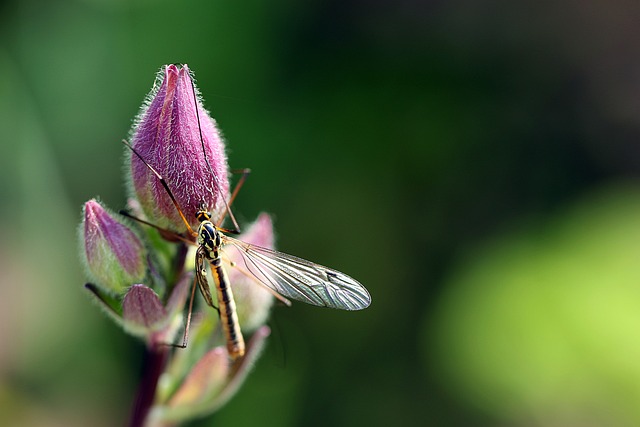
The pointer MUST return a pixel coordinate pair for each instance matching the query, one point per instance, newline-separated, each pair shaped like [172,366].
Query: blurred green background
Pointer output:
[474,164]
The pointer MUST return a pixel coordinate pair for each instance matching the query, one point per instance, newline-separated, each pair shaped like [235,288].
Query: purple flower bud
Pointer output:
[253,301]
[166,134]
[114,255]
[142,311]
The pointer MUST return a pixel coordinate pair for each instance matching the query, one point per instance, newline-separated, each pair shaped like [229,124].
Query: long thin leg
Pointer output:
[185,337]
[206,159]
[168,234]
[164,184]
[245,173]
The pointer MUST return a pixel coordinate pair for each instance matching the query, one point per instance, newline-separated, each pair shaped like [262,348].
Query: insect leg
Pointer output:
[164,184]
[185,337]
[206,158]
[245,174]
[167,234]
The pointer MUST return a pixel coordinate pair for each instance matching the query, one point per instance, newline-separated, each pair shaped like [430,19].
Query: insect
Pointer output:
[286,276]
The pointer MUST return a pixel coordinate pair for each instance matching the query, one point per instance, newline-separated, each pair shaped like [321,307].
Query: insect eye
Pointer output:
[203,215]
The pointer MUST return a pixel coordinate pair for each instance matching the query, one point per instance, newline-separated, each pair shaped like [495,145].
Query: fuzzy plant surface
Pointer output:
[142,272]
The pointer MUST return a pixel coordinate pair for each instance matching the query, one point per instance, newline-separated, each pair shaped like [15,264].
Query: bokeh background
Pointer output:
[474,163]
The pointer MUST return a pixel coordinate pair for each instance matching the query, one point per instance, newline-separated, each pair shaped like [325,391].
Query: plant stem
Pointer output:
[155,360]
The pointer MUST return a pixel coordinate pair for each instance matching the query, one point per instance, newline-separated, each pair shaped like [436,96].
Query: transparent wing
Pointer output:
[301,280]
[201,277]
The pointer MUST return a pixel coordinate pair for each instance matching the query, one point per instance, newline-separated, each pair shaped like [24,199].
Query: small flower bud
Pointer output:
[142,311]
[204,381]
[167,134]
[254,350]
[253,301]
[114,254]
[210,383]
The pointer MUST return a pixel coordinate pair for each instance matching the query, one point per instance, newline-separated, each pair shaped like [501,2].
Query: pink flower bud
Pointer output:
[142,311]
[253,301]
[211,382]
[204,381]
[167,135]
[114,254]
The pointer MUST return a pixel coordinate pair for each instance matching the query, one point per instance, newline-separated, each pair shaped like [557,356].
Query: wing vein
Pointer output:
[301,280]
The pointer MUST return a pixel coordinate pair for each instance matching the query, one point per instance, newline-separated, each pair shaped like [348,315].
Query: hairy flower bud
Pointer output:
[113,253]
[169,134]
[176,166]
[253,301]
[143,311]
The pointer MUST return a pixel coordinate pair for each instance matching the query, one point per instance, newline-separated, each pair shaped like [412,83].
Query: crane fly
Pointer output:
[285,276]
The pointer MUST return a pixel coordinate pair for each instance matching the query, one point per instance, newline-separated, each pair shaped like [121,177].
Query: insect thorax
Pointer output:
[209,238]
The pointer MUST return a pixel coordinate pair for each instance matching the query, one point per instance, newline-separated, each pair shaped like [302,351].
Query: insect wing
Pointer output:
[201,277]
[301,280]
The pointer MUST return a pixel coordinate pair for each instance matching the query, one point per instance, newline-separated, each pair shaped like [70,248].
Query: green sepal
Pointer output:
[109,302]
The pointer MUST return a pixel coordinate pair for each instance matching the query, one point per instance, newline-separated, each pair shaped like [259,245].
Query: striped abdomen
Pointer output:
[228,315]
